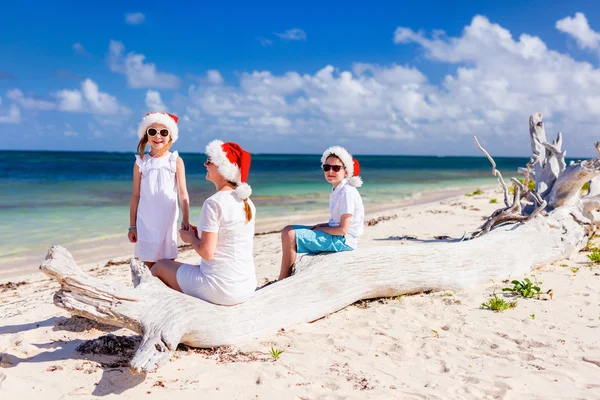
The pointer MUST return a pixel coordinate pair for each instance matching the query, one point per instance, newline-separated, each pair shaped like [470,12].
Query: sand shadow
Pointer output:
[28,326]
[116,376]
[117,381]
[72,324]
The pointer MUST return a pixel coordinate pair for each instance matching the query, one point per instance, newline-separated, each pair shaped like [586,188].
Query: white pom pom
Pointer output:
[355,181]
[243,191]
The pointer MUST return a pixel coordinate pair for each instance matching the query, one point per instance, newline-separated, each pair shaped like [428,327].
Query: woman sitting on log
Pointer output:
[224,236]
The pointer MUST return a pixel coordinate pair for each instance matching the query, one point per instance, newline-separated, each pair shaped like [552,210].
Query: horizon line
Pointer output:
[290,154]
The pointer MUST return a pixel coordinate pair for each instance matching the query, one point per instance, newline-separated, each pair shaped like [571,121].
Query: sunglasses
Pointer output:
[335,168]
[154,131]
[208,161]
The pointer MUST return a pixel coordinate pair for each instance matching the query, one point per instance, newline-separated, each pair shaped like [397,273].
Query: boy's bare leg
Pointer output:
[288,247]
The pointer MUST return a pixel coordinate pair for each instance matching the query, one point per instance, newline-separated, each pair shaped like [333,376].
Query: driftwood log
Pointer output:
[534,228]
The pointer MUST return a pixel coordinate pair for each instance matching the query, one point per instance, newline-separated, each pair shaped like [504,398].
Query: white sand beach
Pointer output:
[439,345]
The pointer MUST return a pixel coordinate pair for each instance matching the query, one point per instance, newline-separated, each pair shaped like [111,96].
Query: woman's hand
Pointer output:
[132,235]
[185,225]
[189,234]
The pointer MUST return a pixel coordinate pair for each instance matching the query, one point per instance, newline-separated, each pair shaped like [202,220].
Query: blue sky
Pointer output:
[376,77]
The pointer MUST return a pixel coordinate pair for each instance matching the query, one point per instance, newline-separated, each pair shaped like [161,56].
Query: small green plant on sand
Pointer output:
[275,353]
[525,288]
[594,256]
[532,316]
[493,201]
[585,187]
[574,270]
[530,185]
[589,246]
[497,304]
[475,193]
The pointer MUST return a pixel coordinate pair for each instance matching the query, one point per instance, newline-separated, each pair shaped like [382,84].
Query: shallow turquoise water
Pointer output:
[74,198]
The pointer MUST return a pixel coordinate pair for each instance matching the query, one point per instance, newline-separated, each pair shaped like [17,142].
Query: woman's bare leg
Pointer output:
[166,271]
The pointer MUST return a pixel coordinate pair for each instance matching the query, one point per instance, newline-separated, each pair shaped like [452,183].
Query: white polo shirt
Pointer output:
[345,199]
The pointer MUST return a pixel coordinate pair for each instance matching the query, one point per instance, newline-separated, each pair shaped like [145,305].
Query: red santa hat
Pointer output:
[233,163]
[168,120]
[352,166]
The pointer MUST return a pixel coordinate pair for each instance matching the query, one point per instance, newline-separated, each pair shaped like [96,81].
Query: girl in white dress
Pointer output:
[158,182]
[224,237]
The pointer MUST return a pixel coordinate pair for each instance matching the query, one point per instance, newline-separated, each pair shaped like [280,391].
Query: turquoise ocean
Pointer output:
[81,199]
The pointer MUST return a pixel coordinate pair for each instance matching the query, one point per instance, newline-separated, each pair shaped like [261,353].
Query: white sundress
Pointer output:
[157,209]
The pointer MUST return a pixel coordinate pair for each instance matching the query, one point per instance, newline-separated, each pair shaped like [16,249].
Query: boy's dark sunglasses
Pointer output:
[335,168]
[153,132]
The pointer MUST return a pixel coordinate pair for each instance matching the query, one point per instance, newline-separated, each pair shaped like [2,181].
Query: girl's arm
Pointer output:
[182,192]
[133,203]
[341,230]
[205,247]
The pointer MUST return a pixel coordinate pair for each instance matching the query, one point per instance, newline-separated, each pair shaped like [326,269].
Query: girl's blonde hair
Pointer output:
[141,147]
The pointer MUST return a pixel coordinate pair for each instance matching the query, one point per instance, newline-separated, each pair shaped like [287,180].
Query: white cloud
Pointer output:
[154,102]
[213,76]
[267,120]
[10,116]
[264,41]
[139,73]
[336,102]
[79,49]
[115,59]
[580,30]
[89,99]
[135,18]
[292,34]
[69,130]
[70,100]
[96,133]
[17,96]
[497,81]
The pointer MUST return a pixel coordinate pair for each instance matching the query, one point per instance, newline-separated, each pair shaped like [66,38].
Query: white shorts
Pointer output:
[195,283]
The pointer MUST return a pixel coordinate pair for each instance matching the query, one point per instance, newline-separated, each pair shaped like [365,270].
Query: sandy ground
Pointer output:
[436,345]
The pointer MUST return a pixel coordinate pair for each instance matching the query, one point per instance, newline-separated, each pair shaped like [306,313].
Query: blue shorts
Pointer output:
[314,241]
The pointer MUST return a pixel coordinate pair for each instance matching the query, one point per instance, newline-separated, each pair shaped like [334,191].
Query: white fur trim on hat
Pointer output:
[230,171]
[243,191]
[159,118]
[355,181]
[346,158]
